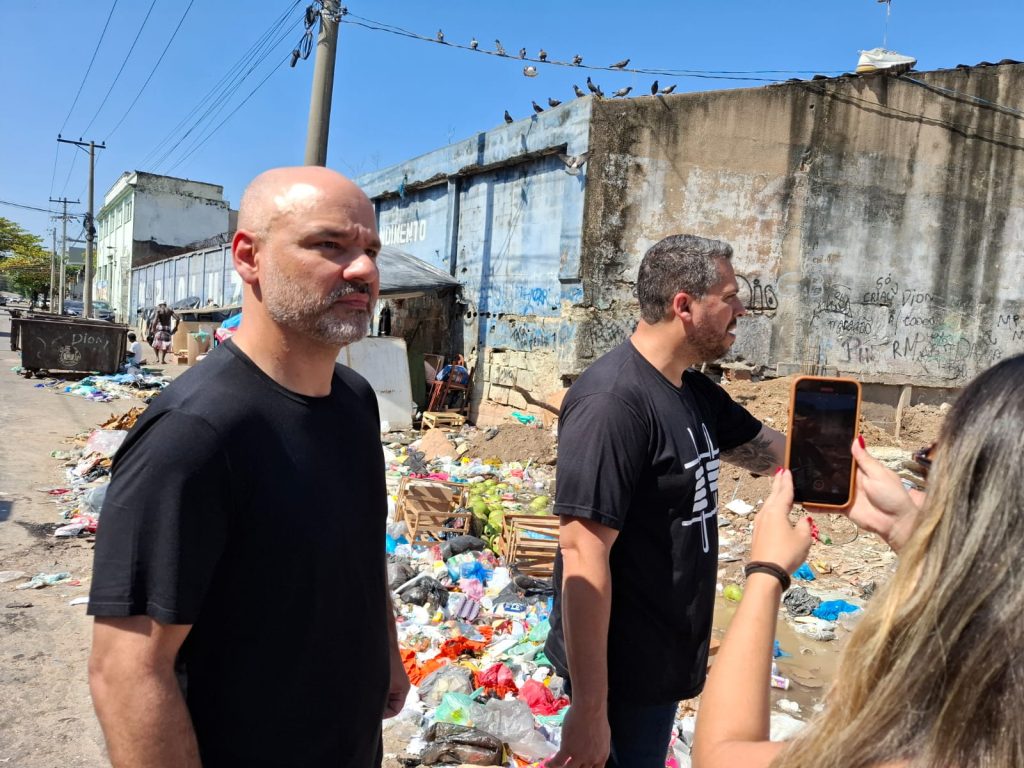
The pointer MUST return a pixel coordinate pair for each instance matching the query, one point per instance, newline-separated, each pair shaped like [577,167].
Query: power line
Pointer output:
[379,26]
[151,73]
[228,82]
[961,94]
[27,207]
[217,87]
[230,115]
[123,63]
[89,68]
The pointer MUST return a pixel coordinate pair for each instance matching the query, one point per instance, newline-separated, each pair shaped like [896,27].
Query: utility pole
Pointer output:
[63,246]
[90,226]
[53,267]
[323,84]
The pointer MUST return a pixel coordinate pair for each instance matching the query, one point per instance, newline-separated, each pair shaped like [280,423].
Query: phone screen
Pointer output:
[823,424]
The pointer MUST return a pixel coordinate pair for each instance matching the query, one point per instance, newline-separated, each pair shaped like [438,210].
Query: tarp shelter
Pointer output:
[403,275]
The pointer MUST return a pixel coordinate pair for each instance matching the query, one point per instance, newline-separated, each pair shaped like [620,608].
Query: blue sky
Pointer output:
[396,97]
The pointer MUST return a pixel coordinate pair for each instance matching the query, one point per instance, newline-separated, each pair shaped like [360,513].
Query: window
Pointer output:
[128,210]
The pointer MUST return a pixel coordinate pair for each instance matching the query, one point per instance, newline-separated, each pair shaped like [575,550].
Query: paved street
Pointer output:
[46,718]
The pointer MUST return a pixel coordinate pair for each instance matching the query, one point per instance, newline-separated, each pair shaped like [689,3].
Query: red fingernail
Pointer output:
[860,439]
[780,470]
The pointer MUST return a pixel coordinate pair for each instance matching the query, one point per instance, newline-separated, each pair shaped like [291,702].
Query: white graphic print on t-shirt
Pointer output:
[705,495]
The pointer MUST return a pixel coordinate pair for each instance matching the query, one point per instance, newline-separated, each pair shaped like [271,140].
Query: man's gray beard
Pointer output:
[293,307]
[709,345]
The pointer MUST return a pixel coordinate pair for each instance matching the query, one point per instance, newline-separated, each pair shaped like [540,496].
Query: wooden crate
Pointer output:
[529,543]
[428,508]
[433,419]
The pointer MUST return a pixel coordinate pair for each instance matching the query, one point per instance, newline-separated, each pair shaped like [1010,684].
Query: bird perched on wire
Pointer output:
[508,117]
[499,48]
[542,55]
[578,90]
[440,36]
[622,92]
[654,88]
[594,89]
[577,60]
[574,163]
[553,102]
[522,53]
[537,107]
[474,44]
[668,89]
[620,64]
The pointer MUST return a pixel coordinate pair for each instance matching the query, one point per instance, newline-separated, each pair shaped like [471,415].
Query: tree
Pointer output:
[23,260]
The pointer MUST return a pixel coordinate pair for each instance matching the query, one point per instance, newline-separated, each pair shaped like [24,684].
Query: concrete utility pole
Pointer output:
[323,84]
[90,223]
[53,268]
[63,248]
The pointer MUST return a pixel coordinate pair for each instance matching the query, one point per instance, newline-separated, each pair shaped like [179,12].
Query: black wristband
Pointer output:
[775,570]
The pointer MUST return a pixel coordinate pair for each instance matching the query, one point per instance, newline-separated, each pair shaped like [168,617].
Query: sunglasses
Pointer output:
[923,458]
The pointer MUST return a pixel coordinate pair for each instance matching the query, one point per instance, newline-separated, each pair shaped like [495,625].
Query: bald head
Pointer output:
[295,192]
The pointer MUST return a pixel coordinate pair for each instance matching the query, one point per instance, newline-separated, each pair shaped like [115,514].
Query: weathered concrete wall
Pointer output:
[878,225]
[501,214]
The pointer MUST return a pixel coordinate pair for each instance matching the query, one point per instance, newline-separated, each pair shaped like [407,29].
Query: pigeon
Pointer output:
[553,102]
[499,48]
[537,107]
[508,117]
[669,89]
[543,55]
[578,90]
[474,44]
[620,64]
[522,53]
[593,88]
[574,163]
[623,91]
[440,36]
[654,88]
[577,60]
[530,71]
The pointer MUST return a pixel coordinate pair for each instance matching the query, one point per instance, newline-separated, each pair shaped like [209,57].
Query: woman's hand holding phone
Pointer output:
[882,504]
[775,540]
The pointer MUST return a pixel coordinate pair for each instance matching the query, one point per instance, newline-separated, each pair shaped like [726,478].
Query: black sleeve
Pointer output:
[164,522]
[602,449]
[736,425]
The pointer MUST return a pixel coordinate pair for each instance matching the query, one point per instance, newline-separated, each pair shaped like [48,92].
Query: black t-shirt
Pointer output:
[257,515]
[640,455]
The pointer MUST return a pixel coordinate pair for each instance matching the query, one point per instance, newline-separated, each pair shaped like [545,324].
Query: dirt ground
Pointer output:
[46,719]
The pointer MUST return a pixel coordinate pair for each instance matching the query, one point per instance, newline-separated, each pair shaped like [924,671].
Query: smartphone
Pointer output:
[823,417]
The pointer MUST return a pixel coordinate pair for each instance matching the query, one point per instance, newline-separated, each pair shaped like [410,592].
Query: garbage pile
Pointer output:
[136,383]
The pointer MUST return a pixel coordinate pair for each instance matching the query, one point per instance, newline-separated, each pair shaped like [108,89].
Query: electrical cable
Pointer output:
[232,113]
[89,68]
[27,207]
[379,26]
[151,73]
[121,69]
[221,103]
[217,88]
[961,94]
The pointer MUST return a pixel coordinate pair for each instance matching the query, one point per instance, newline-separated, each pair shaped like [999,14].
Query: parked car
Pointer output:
[101,310]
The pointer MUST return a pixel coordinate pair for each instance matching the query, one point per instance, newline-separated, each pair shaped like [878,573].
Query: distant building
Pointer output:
[146,217]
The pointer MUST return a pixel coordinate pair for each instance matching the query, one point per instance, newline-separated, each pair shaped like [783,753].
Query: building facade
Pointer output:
[145,218]
[877,222]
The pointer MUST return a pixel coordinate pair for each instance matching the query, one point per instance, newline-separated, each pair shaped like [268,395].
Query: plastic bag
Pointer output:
[512,722]
[449,743]
[456,708]
[451,678]
[92,501]
[105,441]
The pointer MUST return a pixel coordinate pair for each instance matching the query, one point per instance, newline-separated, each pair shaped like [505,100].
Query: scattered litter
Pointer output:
[79,601]
[804,572]
[800,602]
[6,576]
[788,706]
[41,580]
[740,507]
[733,592]
[831,609]
[18,605]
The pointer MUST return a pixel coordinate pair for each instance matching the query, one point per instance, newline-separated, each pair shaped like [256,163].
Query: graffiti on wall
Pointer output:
[757,298]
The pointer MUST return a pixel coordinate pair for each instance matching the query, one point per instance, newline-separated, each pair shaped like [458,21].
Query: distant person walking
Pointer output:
[161,330]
